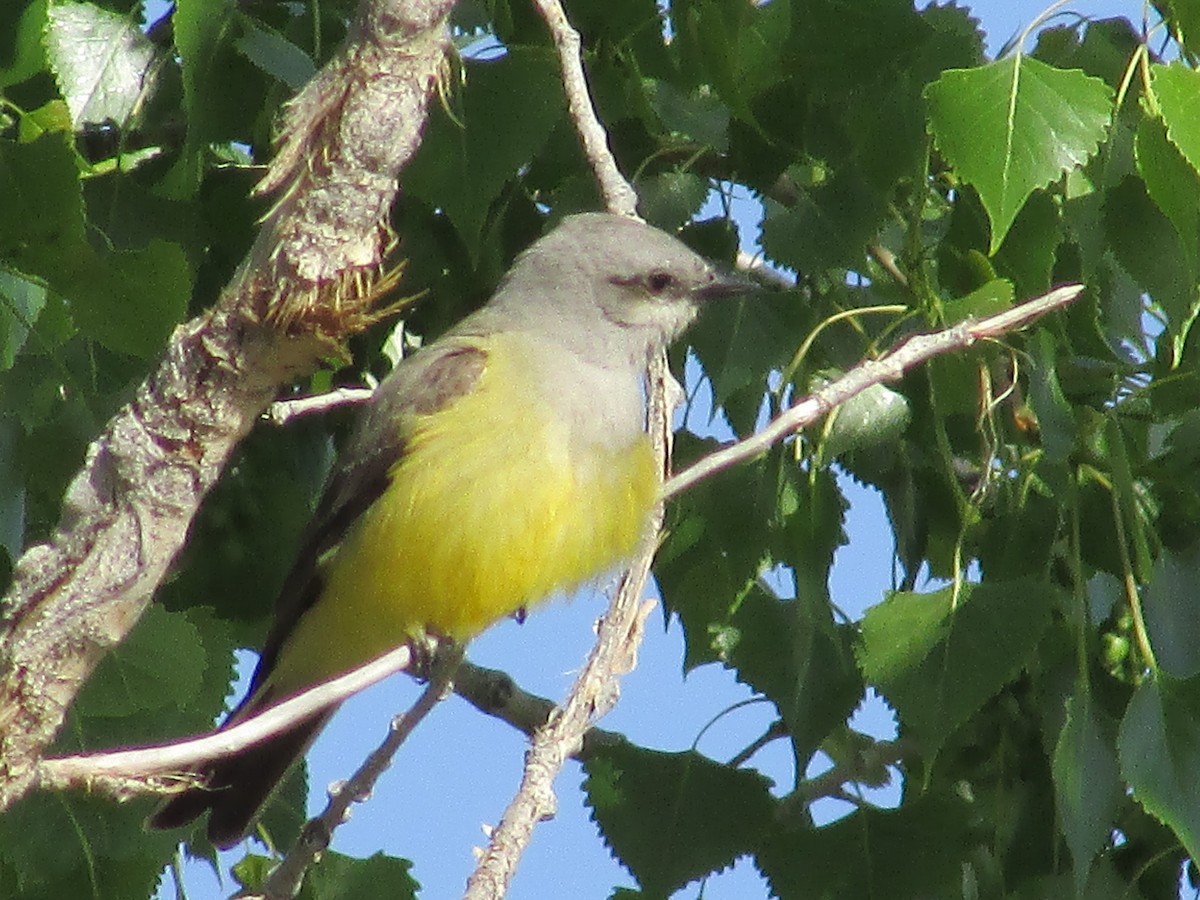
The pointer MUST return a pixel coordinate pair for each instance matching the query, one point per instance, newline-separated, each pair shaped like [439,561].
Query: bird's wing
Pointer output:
[419,386]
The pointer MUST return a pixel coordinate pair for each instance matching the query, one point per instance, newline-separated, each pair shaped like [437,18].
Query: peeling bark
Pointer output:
[306,283]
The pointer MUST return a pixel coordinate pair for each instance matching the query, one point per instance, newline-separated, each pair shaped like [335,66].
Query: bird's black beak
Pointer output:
[724,284]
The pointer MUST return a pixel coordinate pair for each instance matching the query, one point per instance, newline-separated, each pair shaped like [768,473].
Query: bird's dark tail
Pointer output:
[236,787]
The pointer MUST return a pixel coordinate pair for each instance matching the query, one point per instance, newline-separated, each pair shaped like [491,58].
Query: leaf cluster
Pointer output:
[1039,646]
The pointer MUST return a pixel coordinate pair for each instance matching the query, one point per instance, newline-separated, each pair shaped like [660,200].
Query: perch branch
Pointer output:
[284,882]
[282,411]
[124,772]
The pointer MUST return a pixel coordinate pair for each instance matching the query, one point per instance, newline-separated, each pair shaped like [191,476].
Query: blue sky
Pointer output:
[459,769]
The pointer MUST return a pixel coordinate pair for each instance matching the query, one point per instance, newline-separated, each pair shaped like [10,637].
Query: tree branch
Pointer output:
[619,196]
[284,883]
[593,694]
[864,766]
[127,512]
[494,693]
[909,353]
[596,689]
[283,411]
[123,773]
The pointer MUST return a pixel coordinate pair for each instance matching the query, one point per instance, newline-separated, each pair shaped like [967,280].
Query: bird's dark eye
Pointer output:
[658,282]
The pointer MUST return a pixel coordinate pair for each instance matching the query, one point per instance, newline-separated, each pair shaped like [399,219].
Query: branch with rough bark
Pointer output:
[594,693]
[305,283]
[596,689]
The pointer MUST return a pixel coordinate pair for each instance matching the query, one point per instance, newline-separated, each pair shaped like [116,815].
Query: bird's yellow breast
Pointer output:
[495,504]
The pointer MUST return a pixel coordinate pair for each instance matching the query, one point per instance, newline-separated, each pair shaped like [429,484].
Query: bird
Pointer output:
[504,462]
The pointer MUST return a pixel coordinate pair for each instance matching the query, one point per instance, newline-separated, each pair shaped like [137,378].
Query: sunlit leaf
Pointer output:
[102,61]
[673,817]
[1015,125]
[938,657]
[1160,753]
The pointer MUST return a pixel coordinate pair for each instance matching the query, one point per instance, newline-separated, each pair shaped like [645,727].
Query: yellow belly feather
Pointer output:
[490,510]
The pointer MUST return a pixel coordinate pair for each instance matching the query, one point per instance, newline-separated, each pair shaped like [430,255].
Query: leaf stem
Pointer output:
[1141,635]
[798,358]
[1077,587]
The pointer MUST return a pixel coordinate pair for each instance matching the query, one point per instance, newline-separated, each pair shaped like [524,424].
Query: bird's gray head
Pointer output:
[618,284]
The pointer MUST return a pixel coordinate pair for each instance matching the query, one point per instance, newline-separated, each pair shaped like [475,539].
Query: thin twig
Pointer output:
[494,693]
[909,353]
[774,732]
[596,690]
[594,693]
[284,882]
[757,269]
[619,196]
[282,410]
[123,772]
[864,765]
[887,261]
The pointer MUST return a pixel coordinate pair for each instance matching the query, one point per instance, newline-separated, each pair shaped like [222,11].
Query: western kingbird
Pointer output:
[505,461]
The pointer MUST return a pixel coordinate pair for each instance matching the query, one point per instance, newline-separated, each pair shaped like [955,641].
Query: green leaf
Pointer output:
[66,844]
[1015,125]
[1170,610]
[886,32]
[1184,18]
[671,818]
[736,48]
[1027,255]
[127,301]
[916,851]
[464,164]
[275,54]
[21,52]
[1149,248]
[102,61]
[791,652]
[1177,91]
[21,301]
[338,877]
[813,510]
[245,538]
[130,301]
[987,300]
[132,677]
[42,229]
[12,501]
[699,116]
[1170,181]
[252,870]
[938,661]
[1087,783]
[1055,418]
[222,89]
[712,553]
[670,199]
[50,116]
[1160,754]
[738,341]
[827,227]
[287,810]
